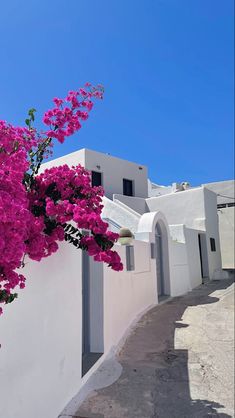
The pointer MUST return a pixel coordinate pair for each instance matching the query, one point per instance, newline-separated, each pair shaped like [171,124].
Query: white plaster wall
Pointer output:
[225,191]
[96,286]
[138,204]
[185,259]
[128,294]
[179,267]
[224,188]
[196,209]
[120,214]
[227,238]
[40,334]
[191,236]
[113,170]
[74,158]
[212,231]
[181,207]
[155,191]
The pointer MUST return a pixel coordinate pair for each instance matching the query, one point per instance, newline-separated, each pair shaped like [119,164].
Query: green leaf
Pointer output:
[27,121]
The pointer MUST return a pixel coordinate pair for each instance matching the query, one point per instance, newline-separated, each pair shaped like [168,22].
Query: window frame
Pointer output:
[212,244]
[132,187]
[130,258]
[101,178]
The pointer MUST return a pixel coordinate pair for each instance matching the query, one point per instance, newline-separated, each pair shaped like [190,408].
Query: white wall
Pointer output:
[196,209]
[227,238]
[113,170]
[185,266]
[40,334]
[181,207]
[74,158]
[224,188]
[120,214]
[138,204]
[129,293]
[225,194]
[192,245]
[212,231]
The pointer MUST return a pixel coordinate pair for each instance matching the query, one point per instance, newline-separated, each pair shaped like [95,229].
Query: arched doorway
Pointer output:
[155,225]
[162,260]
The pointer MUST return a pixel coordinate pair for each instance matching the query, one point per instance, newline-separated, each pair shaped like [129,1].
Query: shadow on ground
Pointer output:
[155,379]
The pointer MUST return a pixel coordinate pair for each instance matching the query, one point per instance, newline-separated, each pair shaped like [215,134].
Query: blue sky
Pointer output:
[167,68]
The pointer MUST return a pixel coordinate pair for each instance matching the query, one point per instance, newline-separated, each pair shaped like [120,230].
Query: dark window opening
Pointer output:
[130,258]
[127,187]
[226,205]
[213,247]
[96,178]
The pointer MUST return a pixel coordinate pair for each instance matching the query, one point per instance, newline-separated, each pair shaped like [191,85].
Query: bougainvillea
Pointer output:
[39,210]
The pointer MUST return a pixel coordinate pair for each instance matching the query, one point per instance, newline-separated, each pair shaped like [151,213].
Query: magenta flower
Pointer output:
[36,210]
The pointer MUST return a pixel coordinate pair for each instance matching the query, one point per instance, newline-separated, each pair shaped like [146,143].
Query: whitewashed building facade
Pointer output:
[75,312]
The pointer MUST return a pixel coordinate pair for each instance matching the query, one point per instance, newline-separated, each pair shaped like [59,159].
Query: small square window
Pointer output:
[213,247]
[96,178]
[130,258]
[127,187]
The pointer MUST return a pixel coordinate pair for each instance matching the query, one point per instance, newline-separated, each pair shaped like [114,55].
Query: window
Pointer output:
[96,178]
[153,250]
[127,187]
[213,247]
[226,205]
[130,258]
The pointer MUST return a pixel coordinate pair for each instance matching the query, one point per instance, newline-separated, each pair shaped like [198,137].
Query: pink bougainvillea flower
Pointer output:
[36,210]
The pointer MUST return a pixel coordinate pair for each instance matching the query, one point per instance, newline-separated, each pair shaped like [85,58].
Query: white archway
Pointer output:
[155,224]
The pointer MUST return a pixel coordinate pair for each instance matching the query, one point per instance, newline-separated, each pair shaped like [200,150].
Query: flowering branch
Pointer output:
[36,210]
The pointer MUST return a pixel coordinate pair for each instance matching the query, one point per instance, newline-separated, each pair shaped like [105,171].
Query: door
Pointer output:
[203,255]
[159,261]
[92,312]
[85,304]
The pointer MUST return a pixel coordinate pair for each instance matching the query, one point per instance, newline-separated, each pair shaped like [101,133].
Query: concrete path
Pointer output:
[177,363]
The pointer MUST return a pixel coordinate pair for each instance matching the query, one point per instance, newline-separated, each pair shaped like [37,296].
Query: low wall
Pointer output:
[227,238]
[41,332]
[185,266]
[138,204]
[128,294]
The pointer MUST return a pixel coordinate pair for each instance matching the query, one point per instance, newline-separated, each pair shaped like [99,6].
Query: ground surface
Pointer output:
[178,362]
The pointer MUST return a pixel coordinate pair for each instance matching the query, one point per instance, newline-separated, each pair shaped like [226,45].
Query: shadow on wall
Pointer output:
[155,378]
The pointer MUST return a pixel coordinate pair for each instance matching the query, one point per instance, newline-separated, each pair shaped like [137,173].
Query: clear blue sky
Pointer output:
[167,68]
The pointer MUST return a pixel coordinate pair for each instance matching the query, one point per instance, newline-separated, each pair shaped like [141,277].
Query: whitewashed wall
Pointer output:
[128,294]
[212,231]
[113,170]
[181,207]
[227,238]
[138,204]
[191,238]
[41,332]
[196,209]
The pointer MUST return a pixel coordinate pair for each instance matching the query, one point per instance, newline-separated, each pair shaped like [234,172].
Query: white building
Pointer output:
[224,191]
[225,207]
[75,312]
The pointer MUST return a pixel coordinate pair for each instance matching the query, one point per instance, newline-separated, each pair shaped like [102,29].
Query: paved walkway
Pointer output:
[178,362]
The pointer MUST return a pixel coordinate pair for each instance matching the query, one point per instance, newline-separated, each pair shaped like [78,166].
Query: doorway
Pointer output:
[203,255]
[162,261]
[92,312]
